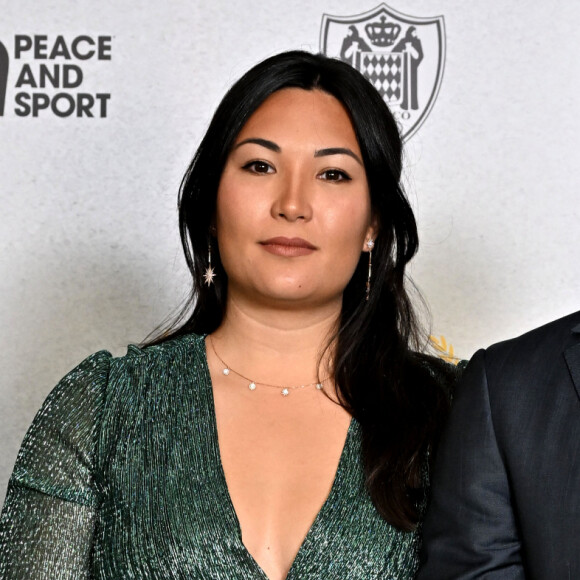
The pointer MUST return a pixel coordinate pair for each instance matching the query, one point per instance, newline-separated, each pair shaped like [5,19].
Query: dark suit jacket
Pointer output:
[506,485]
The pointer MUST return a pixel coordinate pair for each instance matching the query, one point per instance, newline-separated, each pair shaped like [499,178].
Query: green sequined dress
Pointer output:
[119,477]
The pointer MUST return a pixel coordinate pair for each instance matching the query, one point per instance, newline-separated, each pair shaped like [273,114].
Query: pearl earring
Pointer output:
[370,245]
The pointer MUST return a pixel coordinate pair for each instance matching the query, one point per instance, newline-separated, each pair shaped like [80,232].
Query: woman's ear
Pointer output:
[371,235]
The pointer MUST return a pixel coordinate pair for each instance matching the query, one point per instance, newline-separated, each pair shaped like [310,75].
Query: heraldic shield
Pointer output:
[402,56]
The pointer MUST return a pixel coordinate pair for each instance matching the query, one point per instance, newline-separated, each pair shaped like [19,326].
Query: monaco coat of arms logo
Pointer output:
[402,56]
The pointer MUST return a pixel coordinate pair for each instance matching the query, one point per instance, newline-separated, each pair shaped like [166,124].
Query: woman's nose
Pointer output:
[293,199]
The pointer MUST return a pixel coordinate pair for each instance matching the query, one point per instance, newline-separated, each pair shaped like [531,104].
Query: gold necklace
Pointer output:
[284,390]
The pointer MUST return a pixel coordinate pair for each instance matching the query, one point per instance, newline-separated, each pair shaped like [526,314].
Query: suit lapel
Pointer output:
[572,356]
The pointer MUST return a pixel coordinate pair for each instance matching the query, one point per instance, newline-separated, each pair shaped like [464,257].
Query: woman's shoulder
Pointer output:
[66,429]
[180,350]
[81,386]
[168,370]
[187,344]
[88,382]
[165,369]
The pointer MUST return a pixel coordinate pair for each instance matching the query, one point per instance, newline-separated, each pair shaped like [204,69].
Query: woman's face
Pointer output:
[293,206]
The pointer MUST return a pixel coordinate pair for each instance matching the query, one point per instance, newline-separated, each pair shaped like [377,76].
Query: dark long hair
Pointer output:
[395,393]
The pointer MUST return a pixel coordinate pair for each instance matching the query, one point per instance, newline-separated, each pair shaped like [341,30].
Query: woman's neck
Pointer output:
[275,345]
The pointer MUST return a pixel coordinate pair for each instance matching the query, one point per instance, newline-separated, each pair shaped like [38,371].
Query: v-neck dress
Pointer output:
[120,477]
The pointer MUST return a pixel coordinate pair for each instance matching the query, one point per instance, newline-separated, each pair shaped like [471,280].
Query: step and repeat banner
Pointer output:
[102,106]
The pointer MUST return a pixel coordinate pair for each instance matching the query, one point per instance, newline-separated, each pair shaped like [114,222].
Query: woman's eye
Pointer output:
[334,175]
[258,167]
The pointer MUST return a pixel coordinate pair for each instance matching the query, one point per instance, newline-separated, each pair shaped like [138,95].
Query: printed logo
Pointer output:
[4,61]
[402,56]
[48,76]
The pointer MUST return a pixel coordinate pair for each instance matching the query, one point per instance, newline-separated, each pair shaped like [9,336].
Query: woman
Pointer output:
[281,427]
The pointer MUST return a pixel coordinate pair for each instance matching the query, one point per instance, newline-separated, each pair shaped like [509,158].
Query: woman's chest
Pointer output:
[167,513]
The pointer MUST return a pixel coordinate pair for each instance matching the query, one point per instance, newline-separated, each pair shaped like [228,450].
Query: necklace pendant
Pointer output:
[252,386]
[285,392]
[319,386]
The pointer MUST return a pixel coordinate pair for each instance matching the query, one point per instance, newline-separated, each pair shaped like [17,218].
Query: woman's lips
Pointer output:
[289,247]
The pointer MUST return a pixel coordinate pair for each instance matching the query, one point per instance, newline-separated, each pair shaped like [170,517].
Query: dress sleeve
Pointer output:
[47,524]
[470,530]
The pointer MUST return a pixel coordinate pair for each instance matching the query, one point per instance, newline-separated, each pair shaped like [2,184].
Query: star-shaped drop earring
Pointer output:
[209,271]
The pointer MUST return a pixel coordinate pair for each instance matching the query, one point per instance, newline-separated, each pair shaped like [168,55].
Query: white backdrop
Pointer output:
[89,252]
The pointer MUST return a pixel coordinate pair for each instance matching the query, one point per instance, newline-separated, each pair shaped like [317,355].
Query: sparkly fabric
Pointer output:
[119,477]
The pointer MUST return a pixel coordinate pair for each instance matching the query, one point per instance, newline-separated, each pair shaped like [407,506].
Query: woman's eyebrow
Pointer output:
[318,153]
[338,151]
[263,142]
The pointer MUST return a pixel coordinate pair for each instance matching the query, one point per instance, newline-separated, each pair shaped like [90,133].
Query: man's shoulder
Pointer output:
[556,334]
[528,358]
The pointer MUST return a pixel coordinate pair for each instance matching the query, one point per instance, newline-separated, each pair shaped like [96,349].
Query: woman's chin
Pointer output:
[270,292]
[286,292]
[301,297]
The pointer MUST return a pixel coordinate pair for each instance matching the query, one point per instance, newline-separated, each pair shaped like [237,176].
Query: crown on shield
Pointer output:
[382,33]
